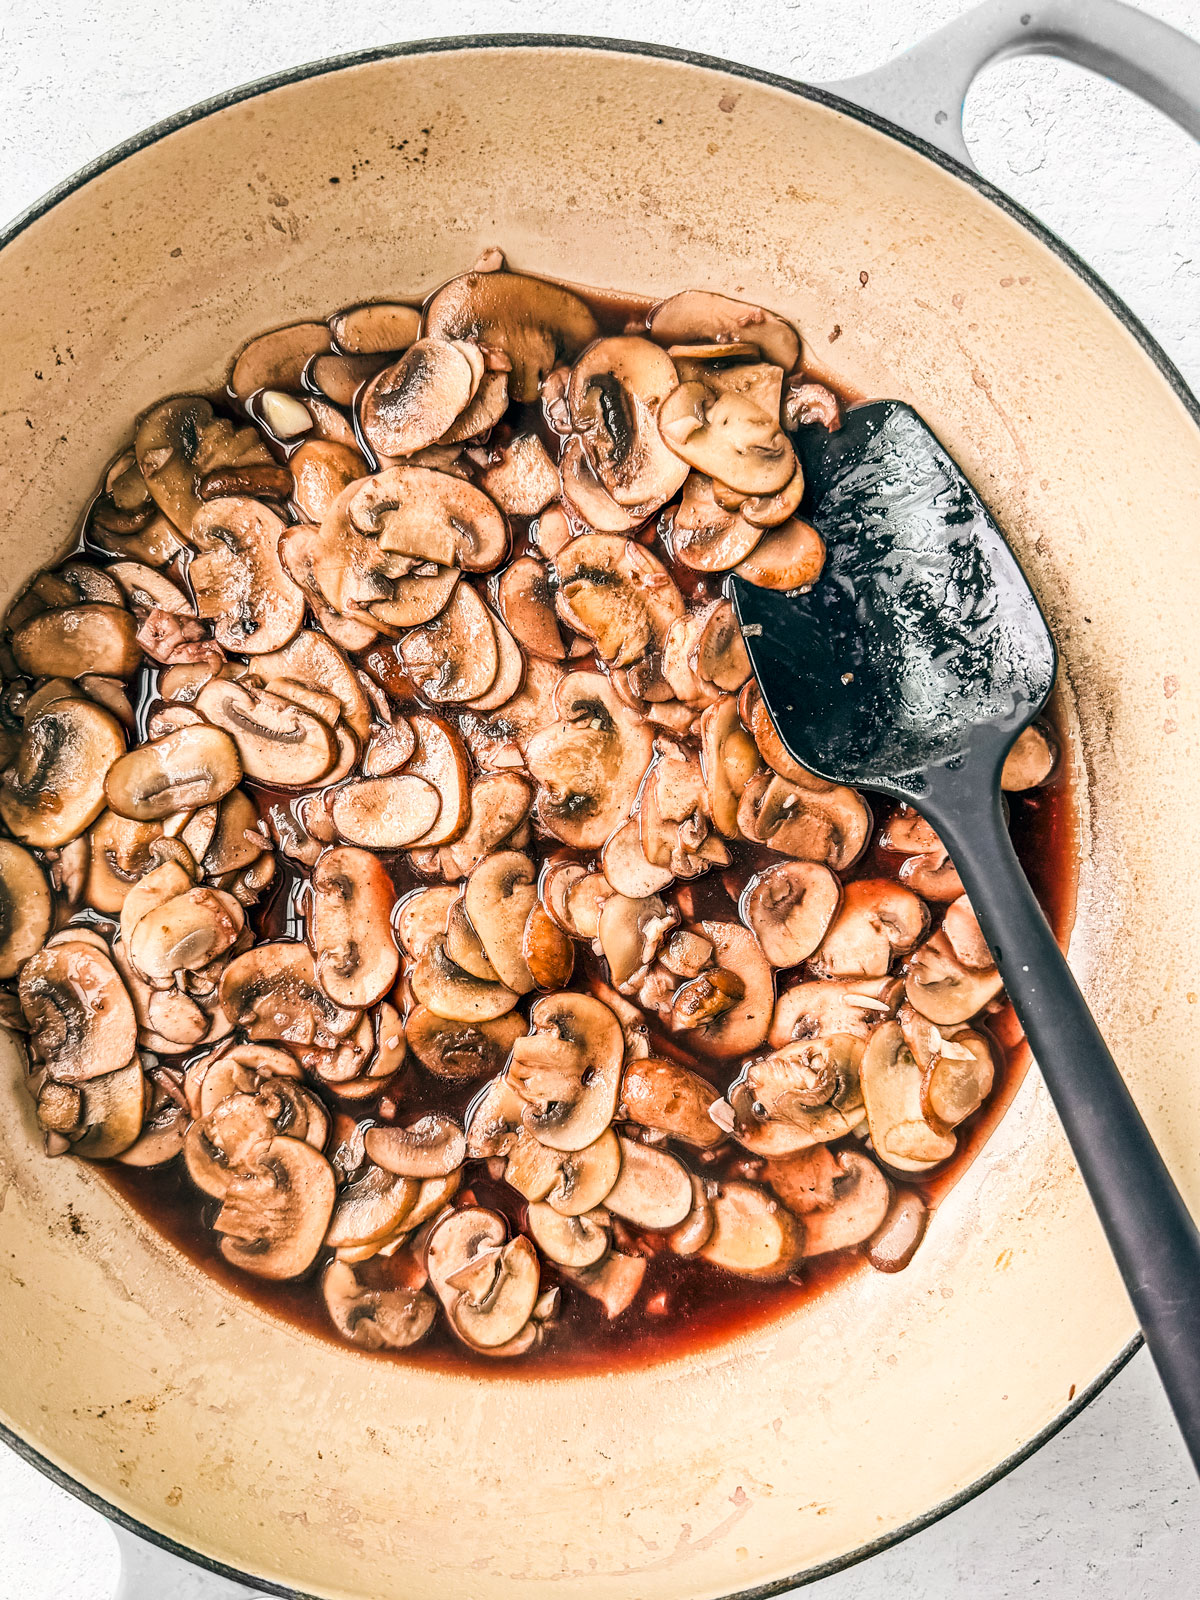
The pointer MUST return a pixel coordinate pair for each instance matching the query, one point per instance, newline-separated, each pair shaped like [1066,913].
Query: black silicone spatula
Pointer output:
[910,667]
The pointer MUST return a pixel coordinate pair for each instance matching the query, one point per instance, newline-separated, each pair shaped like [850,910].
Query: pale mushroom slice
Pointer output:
[790,556]
[185,933]
[959,1078]
[321,470]
[349,924]
[431,1147]
[653,1190]
[278,742]
[73,641]
[80,1017]
[728,437]
[789,907]
[728,760]
[523,480]
[470,1237]
[234,840]
[498,741]
[460,1052]
[343,575]
[630,932]
[670,1099]
[492,1309]
[26,907]
[385,813]
[729,1006]
[878,920]
[55,788]
[673,813]
[704,654]
[440,759]
[626,866]
[372,1208]
[894,1243]
[422,515]
[450,992]
[961,927]
[615,391]
[227,1137]
[493,1123]
[499,895]
[616,593]
[147,589]
[536,324]
[704,535]
[1030,761]
[809,1092]
[510,670]
[589,764]
[615,1281]
[753,1235]
[238,579]
[699,317]
[166,879]
[498,803]
[582,1179]
[938,985]
[861,1197]
[102,1117]
[310,658]
[277,360]
[568,1069]
[272,993]
[235,1069]
[901,1135]
[274,1215]
[160,1138]
[375,1319]
[421,917]
[827,1005]
[832,826]
[414,401]
[180,443]
[526,604]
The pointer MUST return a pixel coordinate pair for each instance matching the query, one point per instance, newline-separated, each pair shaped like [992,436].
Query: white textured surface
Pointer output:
[1109,1508]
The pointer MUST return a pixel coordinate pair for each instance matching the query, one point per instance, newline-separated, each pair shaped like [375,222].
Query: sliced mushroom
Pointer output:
[861,1196]
[959,1078]
[421,917]
[586,495]
[55,789]
[790,556]
[168,878]
[463,945]
[76,640]
[454,658]
[449,991]
[575,1241]
[275,1214]
[704,535]
[237,578]
[272,992]
[421,515]
[278,742]
[413,402]
[493,1123]
[831,826]
[490,1314]
[26,907]
[500,893]
[728,761]
[753,1235]
[1030,761]
[147,589]
[941,988]
[235,1069]
[372,1208]
[630,931]
[536,324]
[432,1147]
[727,436]
[180,442]
[929,870]
[590,764]
[376,328]
[891,1085]
[462,1240]
[185,933]
[349,924]
[892,1246]
[458,1051]
[617,594]
[626,866]
[524,480]
[694,1232]
[671,1099]
[810,1010]
[312,659]
[741,1026]
[80,1016]
[160,1139]
[878,920]
[527,606]
[228,1137]
[498,803]
[441,760]
[375,1319]
[614,1281]
[961,927]
[673,814]
[568,1068]
[277,360]
[582,1179]
[789,907]
[616,388]
[808,1092]
[805,1179]
[321,470]
[547,951]
[698,317]
[111,1112]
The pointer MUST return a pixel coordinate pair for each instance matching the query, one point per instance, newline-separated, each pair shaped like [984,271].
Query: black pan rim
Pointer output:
[535,41]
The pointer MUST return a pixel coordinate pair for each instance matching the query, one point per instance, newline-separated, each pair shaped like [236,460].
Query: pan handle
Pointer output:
[923,90]
[150,1573]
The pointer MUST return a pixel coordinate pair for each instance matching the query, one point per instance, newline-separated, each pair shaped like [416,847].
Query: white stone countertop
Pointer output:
[1109,1509]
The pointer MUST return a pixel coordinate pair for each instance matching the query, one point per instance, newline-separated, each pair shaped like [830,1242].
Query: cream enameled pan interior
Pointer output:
[324,1470]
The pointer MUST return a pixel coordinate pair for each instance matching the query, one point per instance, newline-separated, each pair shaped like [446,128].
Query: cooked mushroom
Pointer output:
[277,360]
[616,388]
[878,920]
[891,1085]
[230,1134]
[941,988]
[441,760]
[420,515]
[694,1232]
[617,594]
[789,556]
[500,893]
[789,907]
[547,951]
[110,1112]
[630,931]
[524,479]
[454,658]
[375,1319]
[498,804]
[961,927]
[928,871]
[168,878]
[55,789]
[277,741]
[891,1247]
[421,916]
[25,907]
[804,1180]
[1030,761]
[80,1017]
[735,998]
[673,813]
[727,436]
[536,324]
[811,1010]
[376,327]
[237,577]
[461,1051]
[753,1235]
[861,1196]
[671,1099]
[626,867]
[312,659]
[576,1241]
[76,640]
[431,1147]
[195,765]
[590,764]
[413,402]
[831,826]
[959,1078]
[321,470]
[449,991]
[493,1124]
[350,927]
[753,712]
[272,992]
[728,761]
[460,1241]
[808,1092]
[568,1069]
[698,317]
[372,1208]
[614,1281]
[704,535]
[180,442]
[275,1214]
[185,933]
[527,606]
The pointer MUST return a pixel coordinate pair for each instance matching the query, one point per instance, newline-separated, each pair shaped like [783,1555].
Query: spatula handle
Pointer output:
[1150,1230]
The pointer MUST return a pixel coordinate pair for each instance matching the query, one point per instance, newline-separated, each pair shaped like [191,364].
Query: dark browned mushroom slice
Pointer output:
[832,826]
[735,1018]
[431,1147]
[587,496]
[790,556]
[460,1051]
[590,764]
[671,1099]
[616,388]
[536,324]
[313,659]
[878,920]
[195,765]
[861,1195]
[321,470]
[422,515]
[698,317]
[272,992]
[80,1017]
[704,535]
[941,988]
[277,360]
[810,1010]
[349,923]
[238,579]
[26,907]
[375,1319]
[1031,760]
[275,1214]
[527,606]
[413,402]
[901,1135]
[753,1235]
[180,442]
[385,813]
[547,950]
[278,742]
[617,594]
[449,991]
[55,789]
[727,436]
[75,640]
[454,658]
[568,1069]
[961,927]
[185,933]
[686,953]
[500,893]
[524,479]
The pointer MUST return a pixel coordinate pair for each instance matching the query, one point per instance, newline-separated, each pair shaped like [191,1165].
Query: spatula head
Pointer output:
[921,647]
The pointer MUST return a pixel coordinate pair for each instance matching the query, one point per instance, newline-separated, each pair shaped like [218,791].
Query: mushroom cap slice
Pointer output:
[653,1190]
[526,603]
[310,658]
[788,907]
[430,516]
[385,813]
[753,1235]
[56,787]
[617,594]
[892,1246]
[590,764]
[575,1241]
[694,1232]
[832,825]
[614,1281]
[440,758]
[349,923]
[76,640]
[743,1026]
[538,325]
[498,803]
[728,760]
[488,1315]
[789,556]
[699,317]
[574,1053]
[877,920]
[961,927]
[279,743]
[414,401]
[630,931]
[582,1179]
[626,867]
[272,992]
[25,907]
[375,1319]
[432,1147]
[185,933]
[80,1016]
[616,388]
[179,443]
[861,1196]
[891,1086]
[112,1112]
[454,994]
[586,495]
[1031,759]
[372,1208]
[942,989]
[547,951]
[500,893]
[525,479]
[421,916]
[238,579]
[277,360]
[704,535]
[455,657]
[236,840]
[959,1078]
[671,1099]
[461,1051]
[727,436]
[829,1006]
[493,1122]
[275,1214]
[376,327]
[510,670]
[194,766]
[321,470]
[154,888]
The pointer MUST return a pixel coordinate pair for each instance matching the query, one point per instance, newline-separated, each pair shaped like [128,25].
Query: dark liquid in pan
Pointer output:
[684,1304]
